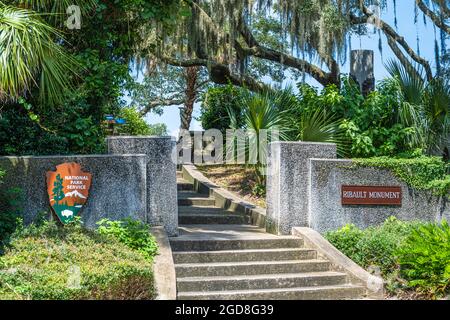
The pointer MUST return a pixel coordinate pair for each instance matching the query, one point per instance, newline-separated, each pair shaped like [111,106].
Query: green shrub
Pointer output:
[10,209]
[421,173]
[374,246]
[371,125]
[132,233]
[135,125]
[425,258]
[259,190]
[216,101]
[50,262]
[346,240]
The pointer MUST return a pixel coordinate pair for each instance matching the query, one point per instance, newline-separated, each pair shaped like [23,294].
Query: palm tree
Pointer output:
[423,105]
[31,55]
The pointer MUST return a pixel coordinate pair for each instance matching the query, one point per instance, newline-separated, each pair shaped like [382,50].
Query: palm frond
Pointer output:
[321,126]
[55,7]
[411,82]
[30,57]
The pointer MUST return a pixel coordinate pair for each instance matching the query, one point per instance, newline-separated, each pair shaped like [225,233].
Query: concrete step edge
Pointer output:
[249,263]
[182,214]
[264,276]
[243,251]
[275,290]
[245,238]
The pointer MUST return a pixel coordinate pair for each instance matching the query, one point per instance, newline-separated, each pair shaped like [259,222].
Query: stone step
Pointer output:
[244,255]
[197,200]
[202,244]
[249,268]
[184,185]
[179,175]
[302,293]
[264,281]
[191,194]
[205,218]
[197,209]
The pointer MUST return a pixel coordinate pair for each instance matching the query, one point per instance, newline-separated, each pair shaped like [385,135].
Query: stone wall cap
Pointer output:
[331,160]
[88,156]
[303,143]
[140,137]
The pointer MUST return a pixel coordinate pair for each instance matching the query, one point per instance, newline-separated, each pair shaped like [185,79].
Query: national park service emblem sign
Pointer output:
[68,190]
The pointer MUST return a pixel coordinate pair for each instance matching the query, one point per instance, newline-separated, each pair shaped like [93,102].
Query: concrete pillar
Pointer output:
[288,183]
[162,207]
[361,70]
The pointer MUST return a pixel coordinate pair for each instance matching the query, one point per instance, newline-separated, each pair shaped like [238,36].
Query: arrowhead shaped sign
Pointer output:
[68,190]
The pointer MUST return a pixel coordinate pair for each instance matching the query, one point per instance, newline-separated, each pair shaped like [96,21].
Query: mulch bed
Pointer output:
[235,178]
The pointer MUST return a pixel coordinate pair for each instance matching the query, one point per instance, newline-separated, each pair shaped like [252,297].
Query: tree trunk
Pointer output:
[191,74]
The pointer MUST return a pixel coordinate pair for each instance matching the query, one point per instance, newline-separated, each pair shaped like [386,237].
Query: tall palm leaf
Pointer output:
[411,87]
[320,126]
[424,105]
[262,112]
[30,57]
[56,8]
[437,103]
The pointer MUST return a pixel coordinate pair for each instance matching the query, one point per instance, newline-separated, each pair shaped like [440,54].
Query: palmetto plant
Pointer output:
[31,55]
[423,105]
[263,116]
[320,126]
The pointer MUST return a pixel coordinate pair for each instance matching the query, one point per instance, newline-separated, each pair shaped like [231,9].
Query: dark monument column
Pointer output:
[361,70]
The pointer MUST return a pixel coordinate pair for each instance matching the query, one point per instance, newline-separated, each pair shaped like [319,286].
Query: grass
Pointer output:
[236,178]
[51,262]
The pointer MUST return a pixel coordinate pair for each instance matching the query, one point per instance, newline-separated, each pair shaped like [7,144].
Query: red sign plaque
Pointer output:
[371,195]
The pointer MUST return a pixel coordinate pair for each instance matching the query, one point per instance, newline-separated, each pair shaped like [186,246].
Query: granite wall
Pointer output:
[162,208]
[118,187]
[287,183]
[304,190]
[327,213]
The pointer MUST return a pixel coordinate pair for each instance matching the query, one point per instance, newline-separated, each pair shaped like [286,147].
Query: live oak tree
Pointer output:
[221,35]
[166,85]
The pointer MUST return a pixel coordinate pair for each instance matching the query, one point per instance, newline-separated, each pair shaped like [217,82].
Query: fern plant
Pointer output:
[424,258]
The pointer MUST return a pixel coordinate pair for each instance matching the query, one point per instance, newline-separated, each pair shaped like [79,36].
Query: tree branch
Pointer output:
[401,57]
[257,50]
[434,17]
[318,74]
[160,103]
[391,33]
[218,72]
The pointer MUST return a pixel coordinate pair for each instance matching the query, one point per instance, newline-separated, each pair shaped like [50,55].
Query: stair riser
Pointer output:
[204,219]
[217,245]
[196,202]
[239,256]
[324,294]
[252,284]
[239,270]
[185,186]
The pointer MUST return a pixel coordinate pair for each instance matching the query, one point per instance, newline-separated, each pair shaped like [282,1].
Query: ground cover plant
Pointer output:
[47,261]
[412,257]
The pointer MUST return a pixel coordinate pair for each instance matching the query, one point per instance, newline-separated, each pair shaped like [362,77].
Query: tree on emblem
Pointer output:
[58,190]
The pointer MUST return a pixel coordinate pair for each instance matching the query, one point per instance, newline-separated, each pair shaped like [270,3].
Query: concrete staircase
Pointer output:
[218,255]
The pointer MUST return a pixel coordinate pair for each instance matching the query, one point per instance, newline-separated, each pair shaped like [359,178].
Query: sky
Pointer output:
[406,28]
